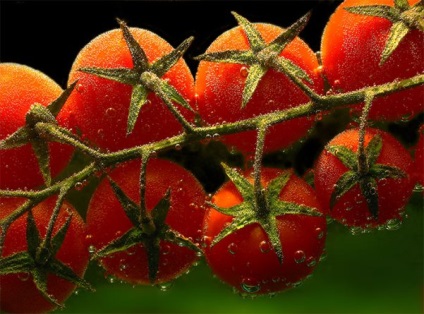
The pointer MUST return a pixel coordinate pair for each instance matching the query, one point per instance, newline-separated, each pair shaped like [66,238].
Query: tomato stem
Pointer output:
[363,166]
[146,222]
[260,200]
[103,159]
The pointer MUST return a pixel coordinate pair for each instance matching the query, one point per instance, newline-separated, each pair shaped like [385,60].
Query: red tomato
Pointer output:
[21,87]
[351,48]
[18,293]
[99,107]
[107,220]
[246,260]
[351,208]
[219,89]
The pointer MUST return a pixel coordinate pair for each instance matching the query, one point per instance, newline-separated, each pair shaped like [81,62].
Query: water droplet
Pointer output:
[418,188]
[79,186]
[393,224]
[80,88]
[232,248]
[165,286]
[319,232]
[111,279]
[178,147]
[323,256]
[23,276]
[299,256]
[122,267]
[264,246]
[166,249]
[101,133]
[215,137]
[110,112]
[310,262]
[405,118]
[244,71]
[131,251]
[336,83]
[91,249]
[250,285]
[276,279]
[76,292]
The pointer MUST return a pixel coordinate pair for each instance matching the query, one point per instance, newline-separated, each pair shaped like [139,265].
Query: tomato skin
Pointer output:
[106,219]
[99,107]
[18,293]
[22,86]
[219,89]
[351,47]
[245,259]
[351,208]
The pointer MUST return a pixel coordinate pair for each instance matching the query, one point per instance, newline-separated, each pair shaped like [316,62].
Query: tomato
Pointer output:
[18,293]
[390,188]
[107,220]
[351,49]
[245,259]
[22,86]
[99,107]
[219,89]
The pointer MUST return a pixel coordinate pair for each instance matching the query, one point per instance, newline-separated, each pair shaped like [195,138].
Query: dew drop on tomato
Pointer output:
[299,256]
[250,285]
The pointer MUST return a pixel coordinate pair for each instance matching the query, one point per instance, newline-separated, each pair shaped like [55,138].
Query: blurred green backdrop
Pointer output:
[380,272]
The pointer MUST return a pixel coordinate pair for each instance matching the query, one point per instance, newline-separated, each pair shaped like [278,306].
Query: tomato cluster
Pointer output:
[131,100]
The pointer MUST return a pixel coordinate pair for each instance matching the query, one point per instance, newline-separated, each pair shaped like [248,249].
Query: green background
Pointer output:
[380,272]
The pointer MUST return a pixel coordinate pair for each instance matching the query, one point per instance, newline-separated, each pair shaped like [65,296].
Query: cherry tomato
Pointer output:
[391,188]
[246,260]
[99,107]
[219,89]
[21,87]
[107,220]
[18,293]
[351,49]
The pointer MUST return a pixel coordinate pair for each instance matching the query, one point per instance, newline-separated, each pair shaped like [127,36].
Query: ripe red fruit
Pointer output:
[107,221]
[245,259]
[368,200]
[99,107]
[219,89]
[18,293]
[21,87]
[352,47]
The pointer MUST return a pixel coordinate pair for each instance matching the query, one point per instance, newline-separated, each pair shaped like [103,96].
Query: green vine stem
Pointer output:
[260,201]
[362,157]
[103,160]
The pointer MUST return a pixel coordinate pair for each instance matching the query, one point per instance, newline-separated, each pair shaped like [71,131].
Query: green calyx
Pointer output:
[363,171]
[403,16]
[148,230]
[145,77]
[261,56]
[263,211]
[39,260]
[29,134]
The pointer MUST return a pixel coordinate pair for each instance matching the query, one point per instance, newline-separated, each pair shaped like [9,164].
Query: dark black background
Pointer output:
[47,35]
